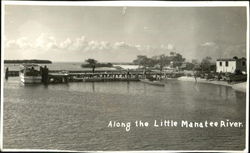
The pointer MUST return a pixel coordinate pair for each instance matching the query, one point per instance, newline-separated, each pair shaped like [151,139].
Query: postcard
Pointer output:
[125,76]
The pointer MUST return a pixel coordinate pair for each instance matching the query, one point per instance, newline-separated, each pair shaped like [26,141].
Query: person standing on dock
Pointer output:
[42,74]
[195,77]
[144,73]
[128,74]
[46,74]
[93,68]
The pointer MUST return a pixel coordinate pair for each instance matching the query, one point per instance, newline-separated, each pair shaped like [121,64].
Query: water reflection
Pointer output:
[45,86]
[172,88]
[225,92]
[76,114]
[128,87]
[196,87]
[93,86]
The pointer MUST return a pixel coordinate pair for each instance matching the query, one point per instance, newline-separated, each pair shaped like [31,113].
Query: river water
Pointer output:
[75,116]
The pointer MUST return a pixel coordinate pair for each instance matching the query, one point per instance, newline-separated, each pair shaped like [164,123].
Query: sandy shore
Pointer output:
[237,86]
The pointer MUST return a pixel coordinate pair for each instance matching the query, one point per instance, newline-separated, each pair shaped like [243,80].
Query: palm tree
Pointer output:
[92,63]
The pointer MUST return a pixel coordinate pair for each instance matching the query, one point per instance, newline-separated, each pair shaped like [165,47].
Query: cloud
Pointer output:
[146,28]
[46,42]
[167,47]
[65,44]
[47,45]
[21,43]
[123,45]
[11,44]
[208,44]
[78,43]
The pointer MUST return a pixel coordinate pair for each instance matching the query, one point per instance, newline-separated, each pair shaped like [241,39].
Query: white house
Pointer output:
[230,65]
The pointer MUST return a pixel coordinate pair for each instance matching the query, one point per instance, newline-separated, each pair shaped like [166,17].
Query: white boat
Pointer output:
[157,83]
[30,74]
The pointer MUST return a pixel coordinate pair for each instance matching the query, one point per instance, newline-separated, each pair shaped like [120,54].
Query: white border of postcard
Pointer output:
[136,4]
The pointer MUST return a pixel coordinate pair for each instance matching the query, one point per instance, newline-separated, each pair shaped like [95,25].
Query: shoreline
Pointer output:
[236,86]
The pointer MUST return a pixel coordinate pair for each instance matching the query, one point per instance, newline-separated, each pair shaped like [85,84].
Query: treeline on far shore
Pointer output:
[27,61]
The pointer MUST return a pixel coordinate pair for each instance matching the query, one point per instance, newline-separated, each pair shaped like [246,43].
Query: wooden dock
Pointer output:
[57,76]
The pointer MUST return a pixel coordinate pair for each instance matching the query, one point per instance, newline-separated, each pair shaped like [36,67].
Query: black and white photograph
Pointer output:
[124,76]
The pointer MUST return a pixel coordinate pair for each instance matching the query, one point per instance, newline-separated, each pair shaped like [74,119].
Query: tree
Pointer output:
[235,57]
[163,61]
[92,63]
[172,53]
[142,60]
[189,66]
[206,64]
[194,61]
[176,59]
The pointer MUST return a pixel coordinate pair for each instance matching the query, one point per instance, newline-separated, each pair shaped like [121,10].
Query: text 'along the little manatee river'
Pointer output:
[173,123]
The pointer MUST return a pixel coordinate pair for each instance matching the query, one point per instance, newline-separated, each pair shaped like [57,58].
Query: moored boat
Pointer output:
[157,83]
[30,74]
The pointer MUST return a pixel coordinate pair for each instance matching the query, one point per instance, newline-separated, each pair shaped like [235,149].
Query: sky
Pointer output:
[119,34]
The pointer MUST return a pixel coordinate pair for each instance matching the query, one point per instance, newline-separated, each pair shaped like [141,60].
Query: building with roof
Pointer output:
[231,65]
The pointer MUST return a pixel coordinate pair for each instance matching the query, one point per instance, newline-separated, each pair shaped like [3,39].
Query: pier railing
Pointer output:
[97,72]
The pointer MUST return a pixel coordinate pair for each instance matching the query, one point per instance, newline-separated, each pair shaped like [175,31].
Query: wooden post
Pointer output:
[66,79]
[7,73]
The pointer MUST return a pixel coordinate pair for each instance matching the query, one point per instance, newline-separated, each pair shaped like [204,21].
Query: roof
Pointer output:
[230,59]
[29,65]
[225,59]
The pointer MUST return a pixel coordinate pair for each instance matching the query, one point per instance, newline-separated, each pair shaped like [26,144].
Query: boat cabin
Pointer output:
[30,70]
